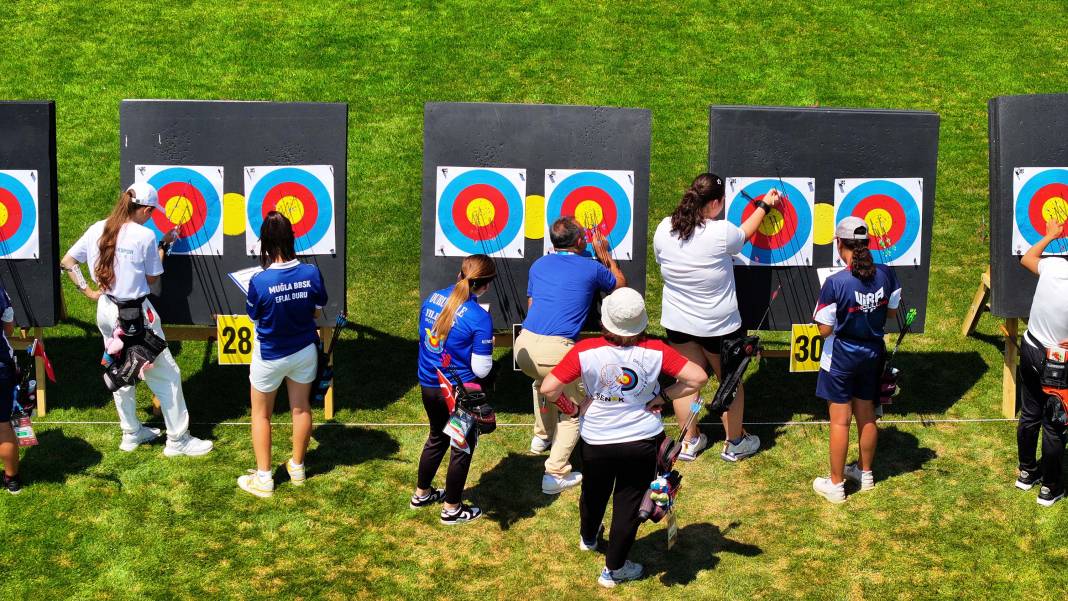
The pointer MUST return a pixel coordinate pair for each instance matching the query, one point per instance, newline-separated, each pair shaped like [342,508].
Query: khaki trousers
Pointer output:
[537,355]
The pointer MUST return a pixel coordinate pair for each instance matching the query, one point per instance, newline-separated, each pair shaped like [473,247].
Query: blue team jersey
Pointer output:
[7,313]
[282,300]
[471,334]
[563,286]
[857,308]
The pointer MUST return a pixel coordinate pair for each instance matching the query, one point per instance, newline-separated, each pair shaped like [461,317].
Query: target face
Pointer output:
[1038,193]
[627,379]
[600,200]
[480,210]
[304,194]
[784,238]
[893,210]
[190,199]
[18,214]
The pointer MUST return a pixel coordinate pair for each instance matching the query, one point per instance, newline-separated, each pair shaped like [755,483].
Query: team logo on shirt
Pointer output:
[434,344]
[613,381]
[627,379]
[868,302]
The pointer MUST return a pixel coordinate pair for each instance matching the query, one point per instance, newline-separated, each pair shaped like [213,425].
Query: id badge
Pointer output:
[1057,354]
[24,431]
[672,529]
[458,428]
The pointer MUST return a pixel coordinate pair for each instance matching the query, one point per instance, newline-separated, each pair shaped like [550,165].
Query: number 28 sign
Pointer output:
[235,333]
[806,347]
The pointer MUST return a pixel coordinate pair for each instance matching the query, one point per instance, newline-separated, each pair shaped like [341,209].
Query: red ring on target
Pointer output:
[784,236]
[882,240]
[471,229]
[14,214]
[301,193]
[1038,202]
[594,194]
[198,209]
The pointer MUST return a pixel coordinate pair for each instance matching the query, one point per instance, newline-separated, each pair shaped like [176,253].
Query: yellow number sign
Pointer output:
[806,347]
[235,333]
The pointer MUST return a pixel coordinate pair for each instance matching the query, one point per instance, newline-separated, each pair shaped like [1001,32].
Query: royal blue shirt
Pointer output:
[471,334]
[562,286]
[282,300]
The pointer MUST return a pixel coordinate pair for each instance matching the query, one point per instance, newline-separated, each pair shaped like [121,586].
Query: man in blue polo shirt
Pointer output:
[560,290]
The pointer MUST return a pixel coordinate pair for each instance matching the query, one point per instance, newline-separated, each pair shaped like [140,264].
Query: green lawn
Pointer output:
[944,521]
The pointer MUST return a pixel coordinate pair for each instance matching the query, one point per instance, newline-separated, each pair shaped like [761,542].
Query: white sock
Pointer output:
[263,476]
[295,465]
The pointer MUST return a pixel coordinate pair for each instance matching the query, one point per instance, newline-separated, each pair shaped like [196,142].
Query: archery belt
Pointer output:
[140,347]
[1054,381]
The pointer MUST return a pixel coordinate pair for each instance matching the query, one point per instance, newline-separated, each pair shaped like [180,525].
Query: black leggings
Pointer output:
[1034,416]
[436,445]
[629,467]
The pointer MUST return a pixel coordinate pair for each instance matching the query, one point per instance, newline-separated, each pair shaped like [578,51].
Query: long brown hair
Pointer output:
[862,266]
[705,188]
[475,271]
[123,211]
[276,239]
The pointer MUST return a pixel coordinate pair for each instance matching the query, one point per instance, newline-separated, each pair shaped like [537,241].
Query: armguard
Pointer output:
[75,272]
[566,407]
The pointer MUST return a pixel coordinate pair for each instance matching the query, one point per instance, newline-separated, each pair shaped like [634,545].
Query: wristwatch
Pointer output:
[760,204]
[663,395]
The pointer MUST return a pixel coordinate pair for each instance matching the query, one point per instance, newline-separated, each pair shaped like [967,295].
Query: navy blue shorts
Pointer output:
[855,373]
[7,391]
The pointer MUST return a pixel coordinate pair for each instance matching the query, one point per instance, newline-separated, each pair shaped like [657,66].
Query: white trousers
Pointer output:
[164,379]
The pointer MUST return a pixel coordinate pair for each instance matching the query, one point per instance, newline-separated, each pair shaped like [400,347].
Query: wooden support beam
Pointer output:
[980,303]
[1008,370]
[326,334]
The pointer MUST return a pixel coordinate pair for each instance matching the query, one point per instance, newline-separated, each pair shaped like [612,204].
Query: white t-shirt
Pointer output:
[135,257]
[1048,323]
[698,274]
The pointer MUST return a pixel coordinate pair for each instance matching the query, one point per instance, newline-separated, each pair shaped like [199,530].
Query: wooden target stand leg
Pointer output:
[1010,330]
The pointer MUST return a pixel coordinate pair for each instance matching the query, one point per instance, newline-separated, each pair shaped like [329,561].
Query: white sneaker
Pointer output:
[132,441]
[554,485]
[585,545]
[748,445]
[251,483]
[539,445]
[865,479]
[187,445]
[629,571]
[835,493]
[691,449]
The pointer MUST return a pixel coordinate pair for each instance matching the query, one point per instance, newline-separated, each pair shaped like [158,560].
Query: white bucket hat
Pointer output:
[623,312]
[144,194]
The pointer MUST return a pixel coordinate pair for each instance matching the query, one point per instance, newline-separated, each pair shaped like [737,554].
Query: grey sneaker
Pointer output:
[629,571]
[691,449]
[187,445]
[131,441]
[748,445]
[865,479]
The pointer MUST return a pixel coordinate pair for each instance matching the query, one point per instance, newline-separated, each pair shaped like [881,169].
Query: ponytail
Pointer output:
[475,271]
[686,217]
[862,266]
[104,270]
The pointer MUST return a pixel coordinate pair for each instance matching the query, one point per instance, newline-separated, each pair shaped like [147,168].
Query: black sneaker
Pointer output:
[461,515]
[436,495]
[1047,497]
[12,484]
[1027,479]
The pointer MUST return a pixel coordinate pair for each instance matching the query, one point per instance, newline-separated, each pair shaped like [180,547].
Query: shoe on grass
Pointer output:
[130,442]
[188,445]
[1028,479]
[435,496]
[585,545]
[539,445]
[866,480]
[748,445]
[629,571]
[12,484]
[835,493]
[296,474]
[253,484]
[1047,496]
[692,448]
[554,485]
[461,515]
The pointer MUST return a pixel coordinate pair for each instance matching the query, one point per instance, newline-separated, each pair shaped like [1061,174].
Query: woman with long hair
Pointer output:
[700,306]
[125,259]
[283,300]
[851,314]
[453,325]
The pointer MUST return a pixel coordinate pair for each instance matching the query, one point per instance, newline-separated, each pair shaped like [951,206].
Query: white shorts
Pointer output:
[266,375]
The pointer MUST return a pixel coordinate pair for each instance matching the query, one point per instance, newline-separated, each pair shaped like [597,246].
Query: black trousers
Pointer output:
[628,468]
[437,443]
[1035,415]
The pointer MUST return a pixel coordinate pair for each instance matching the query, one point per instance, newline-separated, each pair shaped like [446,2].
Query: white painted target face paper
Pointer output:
[304,194]
[601,200]
[893,210]
[191,198]
[1038,193]
[480,210]
[19,214]
[784,238]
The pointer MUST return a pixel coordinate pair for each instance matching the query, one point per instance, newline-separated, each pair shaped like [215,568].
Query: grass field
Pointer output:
[96,523]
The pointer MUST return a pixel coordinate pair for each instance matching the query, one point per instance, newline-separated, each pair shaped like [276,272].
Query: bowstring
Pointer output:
[206,282]
[20,287]
[216,259]
[881,232]
[796,248]
[519,305]
[779,278]
[487,250]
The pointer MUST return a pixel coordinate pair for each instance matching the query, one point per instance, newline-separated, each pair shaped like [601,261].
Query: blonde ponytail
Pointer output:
[475,271]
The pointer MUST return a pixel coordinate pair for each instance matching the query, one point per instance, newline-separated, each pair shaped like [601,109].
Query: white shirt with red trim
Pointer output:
[619,381]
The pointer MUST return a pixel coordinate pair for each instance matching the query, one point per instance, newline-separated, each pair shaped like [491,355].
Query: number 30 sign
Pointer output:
[806,348]
[235,333]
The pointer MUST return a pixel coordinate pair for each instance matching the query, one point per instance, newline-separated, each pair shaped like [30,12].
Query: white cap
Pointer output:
[851,228]
[144,194]
[623,312]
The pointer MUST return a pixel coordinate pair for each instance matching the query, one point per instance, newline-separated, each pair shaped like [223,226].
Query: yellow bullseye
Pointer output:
[1055,208]
[292,208]
[179,210]
[879,222]
[3,215]
[772,223]
[480,212]
[589,213]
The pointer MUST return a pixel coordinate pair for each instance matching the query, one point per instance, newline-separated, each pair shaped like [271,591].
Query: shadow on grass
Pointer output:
[56,457]
[899,453]
[511,491]
[697,549]
[374,368]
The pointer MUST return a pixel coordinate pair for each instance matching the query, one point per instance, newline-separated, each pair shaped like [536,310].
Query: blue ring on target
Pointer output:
[897,192]
[766,256]
[632,376]
[29,213]
[511,197]
[555,204]
[1027,193]
[212,205]
[305,178]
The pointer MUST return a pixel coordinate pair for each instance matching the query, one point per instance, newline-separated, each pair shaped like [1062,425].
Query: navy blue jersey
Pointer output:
[563,285]
[471,334]
[282,299]
[7,315]
[857,308]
